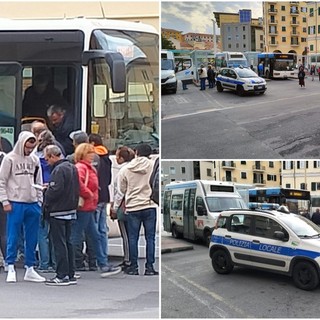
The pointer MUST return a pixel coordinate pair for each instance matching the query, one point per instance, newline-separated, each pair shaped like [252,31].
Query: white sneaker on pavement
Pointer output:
[11,276]
[33,276]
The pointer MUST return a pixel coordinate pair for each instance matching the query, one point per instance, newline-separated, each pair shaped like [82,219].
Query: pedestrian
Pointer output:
[312,72]
[123,156]
[260,69]
[60,207]
[19,172]
[3,222]
[203,77]
[134,183]
[89,195]
[211,76]
[61,125]
[104,179]
[301,76]
[184,84]
[319,72]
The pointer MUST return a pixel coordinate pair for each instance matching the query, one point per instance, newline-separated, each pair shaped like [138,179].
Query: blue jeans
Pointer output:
[28,216]
[147,217]
[46,255]
[203,83]
[85,223]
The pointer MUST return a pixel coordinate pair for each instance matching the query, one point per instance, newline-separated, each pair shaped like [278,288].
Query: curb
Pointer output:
[177,249]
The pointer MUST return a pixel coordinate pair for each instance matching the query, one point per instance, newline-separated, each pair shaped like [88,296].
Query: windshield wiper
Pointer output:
[308,236]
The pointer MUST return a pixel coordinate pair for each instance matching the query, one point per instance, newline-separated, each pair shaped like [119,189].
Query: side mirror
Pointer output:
[279,235]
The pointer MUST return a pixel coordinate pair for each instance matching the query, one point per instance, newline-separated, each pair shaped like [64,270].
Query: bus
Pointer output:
[315,202]
[230,59]
[191,208]
[314,59]
[277,65]
[106,70]
[297,200]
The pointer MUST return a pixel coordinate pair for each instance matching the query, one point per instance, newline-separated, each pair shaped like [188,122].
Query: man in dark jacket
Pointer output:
[104,176]
[61,126]
[61,203]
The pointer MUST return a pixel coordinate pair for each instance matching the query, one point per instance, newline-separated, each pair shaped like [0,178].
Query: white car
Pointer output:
[242,80]
[274,241]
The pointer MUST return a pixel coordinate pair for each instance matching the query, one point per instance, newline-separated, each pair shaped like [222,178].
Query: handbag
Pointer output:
[81,200]
[121,215]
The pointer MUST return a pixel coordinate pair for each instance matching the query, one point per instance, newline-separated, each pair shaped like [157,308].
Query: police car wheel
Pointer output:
[221,262]
[305,275]
[240,90]
[219,87]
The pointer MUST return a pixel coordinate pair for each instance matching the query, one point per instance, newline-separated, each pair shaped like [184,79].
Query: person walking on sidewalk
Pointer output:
[60,207]
[203,77]
[134,183]
[19,171]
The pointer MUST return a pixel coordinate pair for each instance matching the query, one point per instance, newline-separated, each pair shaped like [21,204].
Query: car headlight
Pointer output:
[171,76]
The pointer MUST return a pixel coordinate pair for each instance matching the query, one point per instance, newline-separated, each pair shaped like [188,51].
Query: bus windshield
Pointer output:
[217,204]
[132,117]
[283,65]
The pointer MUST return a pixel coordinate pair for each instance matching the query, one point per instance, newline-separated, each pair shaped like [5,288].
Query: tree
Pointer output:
[167,44]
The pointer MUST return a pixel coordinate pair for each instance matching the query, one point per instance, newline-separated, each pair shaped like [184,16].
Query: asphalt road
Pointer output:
[282,123]
[191,289]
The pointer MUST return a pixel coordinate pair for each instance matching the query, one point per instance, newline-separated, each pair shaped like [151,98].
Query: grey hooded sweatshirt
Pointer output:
[18,172]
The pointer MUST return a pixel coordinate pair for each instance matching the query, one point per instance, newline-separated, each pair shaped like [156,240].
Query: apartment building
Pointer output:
[313,37]
[172,34]
[286,26]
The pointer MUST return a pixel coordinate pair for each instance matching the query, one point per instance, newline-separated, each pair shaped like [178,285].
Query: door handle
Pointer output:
[195,218]
[256,241]
[227,236]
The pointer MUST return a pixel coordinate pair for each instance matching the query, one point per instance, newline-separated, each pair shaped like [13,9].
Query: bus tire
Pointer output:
[175,232]
[219,87]
[221,262]
[305,275]
[240,90]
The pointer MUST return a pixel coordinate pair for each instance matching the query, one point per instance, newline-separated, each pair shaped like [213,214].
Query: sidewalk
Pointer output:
[170,244]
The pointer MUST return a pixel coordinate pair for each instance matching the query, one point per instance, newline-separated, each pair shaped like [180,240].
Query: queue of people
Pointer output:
[59,203]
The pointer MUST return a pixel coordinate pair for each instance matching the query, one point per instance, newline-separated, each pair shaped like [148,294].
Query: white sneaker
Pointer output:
[33,276]
[11,276]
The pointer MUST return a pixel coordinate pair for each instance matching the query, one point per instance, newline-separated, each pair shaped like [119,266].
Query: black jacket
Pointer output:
[62,195]
[104,176]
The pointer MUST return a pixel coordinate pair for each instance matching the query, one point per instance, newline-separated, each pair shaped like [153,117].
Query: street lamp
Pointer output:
[214,37]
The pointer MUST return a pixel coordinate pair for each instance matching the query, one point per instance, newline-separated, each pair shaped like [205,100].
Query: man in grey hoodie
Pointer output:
[19,172]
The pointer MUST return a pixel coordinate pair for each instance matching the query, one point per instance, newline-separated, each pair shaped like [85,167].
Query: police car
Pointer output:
[275,241]
[242,80]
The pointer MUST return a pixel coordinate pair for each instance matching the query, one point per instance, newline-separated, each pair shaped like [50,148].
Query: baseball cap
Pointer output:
[79,136]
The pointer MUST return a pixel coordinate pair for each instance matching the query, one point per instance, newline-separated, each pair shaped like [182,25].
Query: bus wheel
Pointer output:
[219,87]
[240,91]
[221,262]
[175,232]
[305,275]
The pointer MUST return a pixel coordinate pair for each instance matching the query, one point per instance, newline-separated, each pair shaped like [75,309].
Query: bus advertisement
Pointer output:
[277,65]
[107,71]
[297,200]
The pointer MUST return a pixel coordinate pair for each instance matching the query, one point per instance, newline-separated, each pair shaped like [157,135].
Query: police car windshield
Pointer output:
[301,226]
[217,204]
[246,73]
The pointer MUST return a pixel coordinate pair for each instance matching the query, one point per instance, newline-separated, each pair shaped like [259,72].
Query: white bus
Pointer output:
[230,59]
[107,71]
[190,209]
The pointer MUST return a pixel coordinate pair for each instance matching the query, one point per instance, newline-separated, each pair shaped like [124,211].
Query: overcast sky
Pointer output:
[192,16]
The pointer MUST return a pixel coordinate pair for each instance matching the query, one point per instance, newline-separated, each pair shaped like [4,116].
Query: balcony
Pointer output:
[273,43]
[273,32]
[272,11]
[272,21]
[295,34]
[295,44]
[259,183]
[294,12]
[229,179]
[228,165]
[294,23]
[258,168]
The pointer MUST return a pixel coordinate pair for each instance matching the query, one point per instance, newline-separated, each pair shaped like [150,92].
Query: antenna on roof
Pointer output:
[101,7]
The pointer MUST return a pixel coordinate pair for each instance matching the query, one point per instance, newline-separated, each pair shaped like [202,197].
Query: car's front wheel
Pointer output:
[240,91]
[221,262]
[219,87]
[305,275]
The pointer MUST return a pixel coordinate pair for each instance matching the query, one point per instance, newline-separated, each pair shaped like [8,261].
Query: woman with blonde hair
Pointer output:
[89,189]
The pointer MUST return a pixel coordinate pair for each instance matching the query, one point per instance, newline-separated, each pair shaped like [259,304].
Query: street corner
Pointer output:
[170,244]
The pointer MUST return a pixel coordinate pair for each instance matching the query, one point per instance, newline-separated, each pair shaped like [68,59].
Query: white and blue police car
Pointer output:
[274,241]
[241,79]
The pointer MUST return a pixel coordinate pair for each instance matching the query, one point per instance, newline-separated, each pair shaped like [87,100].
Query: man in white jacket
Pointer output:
[134,184]
[19,172]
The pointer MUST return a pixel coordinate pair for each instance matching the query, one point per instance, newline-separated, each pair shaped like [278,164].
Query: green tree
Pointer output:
[167,44]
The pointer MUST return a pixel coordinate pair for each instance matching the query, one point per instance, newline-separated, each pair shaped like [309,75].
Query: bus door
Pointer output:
[10,102]
[188,214]
[184,69]
[166,211]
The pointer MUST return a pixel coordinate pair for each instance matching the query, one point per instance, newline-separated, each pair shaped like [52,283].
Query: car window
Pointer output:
[232,74]
[240,223]
[224,72]
[246,73]
[266,227]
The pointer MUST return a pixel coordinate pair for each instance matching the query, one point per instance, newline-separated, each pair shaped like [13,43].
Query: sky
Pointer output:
[195,16]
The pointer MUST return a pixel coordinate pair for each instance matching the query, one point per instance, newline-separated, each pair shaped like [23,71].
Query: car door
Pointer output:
[232,79]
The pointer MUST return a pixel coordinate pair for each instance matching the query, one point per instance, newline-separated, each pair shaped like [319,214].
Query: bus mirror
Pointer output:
[116,64]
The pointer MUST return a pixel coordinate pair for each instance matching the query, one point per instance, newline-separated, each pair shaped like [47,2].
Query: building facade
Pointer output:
[172,34]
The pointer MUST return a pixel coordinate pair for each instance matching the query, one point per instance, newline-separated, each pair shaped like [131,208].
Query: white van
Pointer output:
[184,68]
[190,209]
[168,76]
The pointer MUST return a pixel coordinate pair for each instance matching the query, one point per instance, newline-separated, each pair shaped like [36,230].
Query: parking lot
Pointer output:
[282,123]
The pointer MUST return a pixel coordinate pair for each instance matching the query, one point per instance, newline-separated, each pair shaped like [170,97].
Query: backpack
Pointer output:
[154,182]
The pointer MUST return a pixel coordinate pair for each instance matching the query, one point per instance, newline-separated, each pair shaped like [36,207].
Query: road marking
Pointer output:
[206,291]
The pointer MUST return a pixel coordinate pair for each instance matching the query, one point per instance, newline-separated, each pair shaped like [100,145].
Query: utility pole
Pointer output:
[214,36]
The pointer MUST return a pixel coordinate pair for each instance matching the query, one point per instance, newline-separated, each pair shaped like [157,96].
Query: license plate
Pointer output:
[259,87]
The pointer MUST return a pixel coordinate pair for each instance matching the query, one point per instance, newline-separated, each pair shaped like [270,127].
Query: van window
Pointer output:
[176,203]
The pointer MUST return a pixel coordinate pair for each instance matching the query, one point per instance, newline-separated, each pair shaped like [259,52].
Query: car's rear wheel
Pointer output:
[240,90]
[219,87]
[305,275]
[221,262]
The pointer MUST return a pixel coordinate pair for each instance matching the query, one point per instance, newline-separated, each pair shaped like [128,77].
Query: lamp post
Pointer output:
[214,36]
